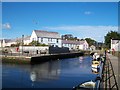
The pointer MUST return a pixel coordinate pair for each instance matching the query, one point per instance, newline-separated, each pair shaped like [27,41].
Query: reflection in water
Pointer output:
[45,71]
[81,58]
[33,76]
[63,73]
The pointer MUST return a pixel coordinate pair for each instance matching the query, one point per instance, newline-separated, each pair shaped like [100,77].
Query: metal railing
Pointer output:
[107,76]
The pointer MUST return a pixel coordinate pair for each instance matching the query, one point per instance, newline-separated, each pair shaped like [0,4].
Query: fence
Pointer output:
[107,76]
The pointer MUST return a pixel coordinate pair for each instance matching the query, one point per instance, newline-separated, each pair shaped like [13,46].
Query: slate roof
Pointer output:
[17,39]
[41,33]
[27,38]
[6,40]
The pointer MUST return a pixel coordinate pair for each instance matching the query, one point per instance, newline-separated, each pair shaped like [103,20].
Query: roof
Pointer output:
[41,33]
[92,46]
[6,40]
[72,42]
[27,38]
[115,41]
[17,39]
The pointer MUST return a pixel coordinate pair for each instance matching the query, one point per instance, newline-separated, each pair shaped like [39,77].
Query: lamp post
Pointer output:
[22,43]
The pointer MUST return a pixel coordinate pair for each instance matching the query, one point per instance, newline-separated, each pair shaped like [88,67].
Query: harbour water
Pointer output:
[64,73]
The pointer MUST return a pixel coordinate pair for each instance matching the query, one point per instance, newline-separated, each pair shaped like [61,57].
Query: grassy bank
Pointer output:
[15,60]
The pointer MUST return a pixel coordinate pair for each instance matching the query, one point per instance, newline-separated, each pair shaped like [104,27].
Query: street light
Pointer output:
[22,43]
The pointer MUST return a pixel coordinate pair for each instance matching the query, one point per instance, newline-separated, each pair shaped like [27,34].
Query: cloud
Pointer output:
[6,26]
[87,12]
[94,32]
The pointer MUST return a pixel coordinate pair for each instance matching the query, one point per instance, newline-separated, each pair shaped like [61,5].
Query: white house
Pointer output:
[45,37]
[26,40]
[83,45]
[92,48]
[12,41]
[72,44]
[3,42]
[115,44]
[9,42]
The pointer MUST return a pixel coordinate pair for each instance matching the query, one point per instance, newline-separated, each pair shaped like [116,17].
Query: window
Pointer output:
[32,39]
[41,39]
[57,40]
[38,39]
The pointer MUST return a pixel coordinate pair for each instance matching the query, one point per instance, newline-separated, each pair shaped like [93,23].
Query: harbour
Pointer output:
[60,45]
[49,74]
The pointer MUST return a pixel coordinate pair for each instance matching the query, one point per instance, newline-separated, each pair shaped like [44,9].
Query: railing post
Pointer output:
[106,72]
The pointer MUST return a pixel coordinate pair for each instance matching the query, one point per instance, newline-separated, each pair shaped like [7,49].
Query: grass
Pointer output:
[15,60]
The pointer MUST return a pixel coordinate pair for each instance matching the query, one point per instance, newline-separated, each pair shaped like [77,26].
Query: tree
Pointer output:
[34,43]
[69,37]
[90,41]
[111,35]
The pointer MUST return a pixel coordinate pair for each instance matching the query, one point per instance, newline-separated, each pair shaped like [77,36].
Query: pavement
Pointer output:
[116,67]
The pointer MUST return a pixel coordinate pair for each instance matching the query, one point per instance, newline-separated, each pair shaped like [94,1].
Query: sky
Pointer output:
[81,19]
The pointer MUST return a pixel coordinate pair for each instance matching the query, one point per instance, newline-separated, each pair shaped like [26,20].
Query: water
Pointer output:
[64,73]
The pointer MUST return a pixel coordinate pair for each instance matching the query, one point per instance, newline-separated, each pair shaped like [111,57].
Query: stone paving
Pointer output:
[115,63]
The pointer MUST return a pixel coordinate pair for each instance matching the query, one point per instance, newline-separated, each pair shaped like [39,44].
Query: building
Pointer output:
[26,40]
[75,45]
[45,37]
[9,42]
[3,42]
[115,44]
[92,48]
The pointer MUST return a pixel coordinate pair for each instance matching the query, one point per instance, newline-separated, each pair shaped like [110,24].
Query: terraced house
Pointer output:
[73,44]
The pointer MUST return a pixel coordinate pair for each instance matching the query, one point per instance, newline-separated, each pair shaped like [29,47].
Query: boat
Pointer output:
[92,53]
[95,70]
[95,64]
[86,85]
[89,84]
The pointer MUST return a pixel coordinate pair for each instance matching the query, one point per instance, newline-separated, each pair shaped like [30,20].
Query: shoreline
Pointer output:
[16,60]
[39,59]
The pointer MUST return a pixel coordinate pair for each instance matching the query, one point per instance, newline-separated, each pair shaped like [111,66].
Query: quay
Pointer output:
[15,59]
[39,59]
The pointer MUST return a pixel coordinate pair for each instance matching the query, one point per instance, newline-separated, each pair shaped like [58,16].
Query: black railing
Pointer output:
[107,76]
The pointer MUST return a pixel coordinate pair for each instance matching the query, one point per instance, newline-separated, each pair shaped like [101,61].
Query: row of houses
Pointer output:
[47,38]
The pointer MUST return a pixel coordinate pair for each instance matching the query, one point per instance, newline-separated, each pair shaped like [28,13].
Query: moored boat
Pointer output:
[95,64]
[85,85]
